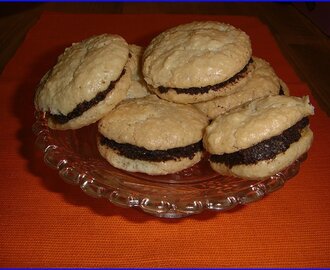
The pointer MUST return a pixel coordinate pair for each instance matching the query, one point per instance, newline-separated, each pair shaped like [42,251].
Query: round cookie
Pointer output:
[197,61]
[89,79]
[261,82]
[139,87]
[261,138]
[152,136]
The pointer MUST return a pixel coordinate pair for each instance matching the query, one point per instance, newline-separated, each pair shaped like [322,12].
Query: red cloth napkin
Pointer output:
[48,223]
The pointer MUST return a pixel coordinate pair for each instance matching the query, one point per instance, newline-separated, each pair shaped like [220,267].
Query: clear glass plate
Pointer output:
[74,154]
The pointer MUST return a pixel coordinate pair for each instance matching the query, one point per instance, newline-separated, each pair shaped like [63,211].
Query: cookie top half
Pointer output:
[154,124]
[196,54]
[257,121]
[81,72]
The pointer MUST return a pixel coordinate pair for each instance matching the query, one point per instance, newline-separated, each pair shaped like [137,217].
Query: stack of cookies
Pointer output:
[195,89]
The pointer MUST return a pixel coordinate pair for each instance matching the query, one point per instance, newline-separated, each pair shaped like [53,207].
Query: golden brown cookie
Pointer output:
[261,138]
[152,136]
[260,82]
[197,61]
[139,87]
[89,79]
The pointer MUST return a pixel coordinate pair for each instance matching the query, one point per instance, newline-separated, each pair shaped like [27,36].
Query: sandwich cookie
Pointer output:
[261,82]
[139,87]
[90,78]
[152,136]
[197,61]
[261,138]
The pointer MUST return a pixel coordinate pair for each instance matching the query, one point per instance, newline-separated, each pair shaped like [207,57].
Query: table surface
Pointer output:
[46,222]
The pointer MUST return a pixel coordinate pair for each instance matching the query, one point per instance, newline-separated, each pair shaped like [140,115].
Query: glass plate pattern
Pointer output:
[74,154]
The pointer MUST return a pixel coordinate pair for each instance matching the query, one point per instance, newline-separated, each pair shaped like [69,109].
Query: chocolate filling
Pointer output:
[136,152]
[267,149]
[206,89]
[85,105]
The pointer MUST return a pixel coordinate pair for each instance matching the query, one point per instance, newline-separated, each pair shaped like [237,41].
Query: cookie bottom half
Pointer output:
[199,94]
[267,168]
[146,166]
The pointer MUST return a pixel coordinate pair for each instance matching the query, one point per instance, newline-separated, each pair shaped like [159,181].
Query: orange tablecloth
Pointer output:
[46,222]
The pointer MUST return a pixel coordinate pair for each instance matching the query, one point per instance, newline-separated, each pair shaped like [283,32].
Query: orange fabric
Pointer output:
[48,223]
